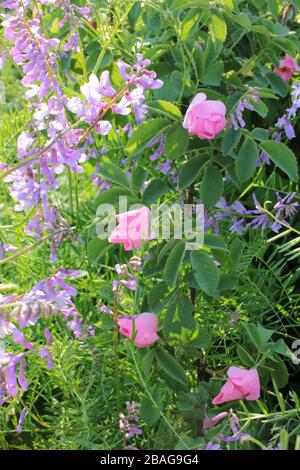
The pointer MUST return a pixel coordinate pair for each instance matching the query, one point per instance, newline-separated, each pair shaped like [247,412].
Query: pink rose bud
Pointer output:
[146,325]
[132,229]
[205,118]
[242,384]
[287,67]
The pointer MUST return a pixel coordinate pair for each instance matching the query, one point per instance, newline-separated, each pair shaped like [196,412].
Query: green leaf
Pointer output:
[111,196]
[172,86]
[282,156]
[113,173]
[171,366]
[96,248]
[182,4]
[156,294]
[173,263]
[154,191]
[165,249]
[230,141]
[244,356]
[280,373]
[260,107]
[144,134]
[139,176]
[211,187]
[206,272]
[246,161]
[190,171]
[236,250]
[260,134]
[242,19]
[258,335]
[228,281]
[149,412]
[134,14]
[278,85]
[213,75]
[218,27]
[166,108]
[189,25]
[214,242]
[177,142]
[281,348]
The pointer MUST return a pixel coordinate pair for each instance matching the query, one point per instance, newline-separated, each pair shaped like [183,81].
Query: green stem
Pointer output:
[152,399]
[116,355]
[70,192]
[31,247]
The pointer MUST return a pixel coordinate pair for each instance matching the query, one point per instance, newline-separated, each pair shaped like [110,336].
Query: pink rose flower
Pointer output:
[132,229]
[287,67]
[205,118]
[242,384]
[146,325]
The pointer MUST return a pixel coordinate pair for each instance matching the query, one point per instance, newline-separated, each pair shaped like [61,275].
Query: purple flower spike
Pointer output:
[21,420]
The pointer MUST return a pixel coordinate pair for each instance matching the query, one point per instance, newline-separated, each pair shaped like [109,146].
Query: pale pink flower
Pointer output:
[205,118]
[241,384]
[132,229]
[211,422]
[145,324]
[287,67]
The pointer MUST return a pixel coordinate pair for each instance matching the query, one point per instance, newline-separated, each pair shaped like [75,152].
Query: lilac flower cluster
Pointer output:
[74,23]
[164,167]
[236,117]
[126,279]
[36,175]
[128,424]
[284,122]
[100,96]
[17,312]
[6,248]
[242,218]
[234,425]
[12,375]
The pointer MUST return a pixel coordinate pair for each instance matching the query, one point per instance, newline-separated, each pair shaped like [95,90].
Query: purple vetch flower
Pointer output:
[160,148]
[12,367]
[285,206]
[19,338]
[276,447]
[2,59]
[48,336]
[106,310]
[235,427]
[22,379]
[128,423]
[262,220]
[164,167]
[6,248]
[238,207]
[236,117]
[285,124]
[130,284]
[45,354]
[263,157]
[21,420]
[211,446]
[237,225]
[211,422]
